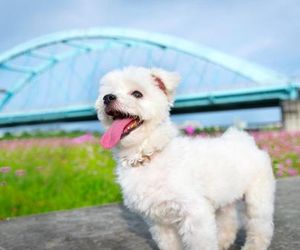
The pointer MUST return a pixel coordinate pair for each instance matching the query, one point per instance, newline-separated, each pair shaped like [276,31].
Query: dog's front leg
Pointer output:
[198,228]
[166,237]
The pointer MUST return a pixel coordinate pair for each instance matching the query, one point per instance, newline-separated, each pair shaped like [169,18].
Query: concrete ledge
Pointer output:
[113,227]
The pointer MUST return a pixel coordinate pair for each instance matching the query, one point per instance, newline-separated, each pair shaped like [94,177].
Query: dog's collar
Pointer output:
[140,161]
[149,148]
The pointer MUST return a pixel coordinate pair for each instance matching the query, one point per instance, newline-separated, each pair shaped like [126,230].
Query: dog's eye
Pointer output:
[137,94]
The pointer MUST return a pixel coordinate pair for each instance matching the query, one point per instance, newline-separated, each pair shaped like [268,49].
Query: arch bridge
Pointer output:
[55,77]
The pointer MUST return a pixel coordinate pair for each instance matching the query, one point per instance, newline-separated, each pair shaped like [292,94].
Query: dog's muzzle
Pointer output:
[107,99]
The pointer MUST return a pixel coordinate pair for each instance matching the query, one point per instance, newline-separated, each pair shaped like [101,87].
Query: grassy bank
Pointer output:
[42,173]
[39,175]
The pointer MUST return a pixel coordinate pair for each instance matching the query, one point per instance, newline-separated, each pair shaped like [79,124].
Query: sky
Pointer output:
[263,31]
[266,32]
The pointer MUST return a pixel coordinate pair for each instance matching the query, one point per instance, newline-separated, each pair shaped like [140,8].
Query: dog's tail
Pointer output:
[233,134]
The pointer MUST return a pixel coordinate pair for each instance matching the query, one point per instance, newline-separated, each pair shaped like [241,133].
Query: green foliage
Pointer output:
[43,134]
[38,176]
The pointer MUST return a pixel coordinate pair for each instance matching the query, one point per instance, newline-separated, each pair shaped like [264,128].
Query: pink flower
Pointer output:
[20,172]
[288,161]
[83,139]
[280,166]
[292,171]
[189,130]
[297,149]
[279,173]
[5,170]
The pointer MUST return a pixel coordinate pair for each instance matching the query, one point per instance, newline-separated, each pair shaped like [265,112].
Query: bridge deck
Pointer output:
[226,100]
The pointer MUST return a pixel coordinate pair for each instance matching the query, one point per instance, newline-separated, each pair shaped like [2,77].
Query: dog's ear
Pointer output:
[166,81]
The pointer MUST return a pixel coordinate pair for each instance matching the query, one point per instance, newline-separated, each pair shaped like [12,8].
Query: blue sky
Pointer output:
[263,31]
[266,32]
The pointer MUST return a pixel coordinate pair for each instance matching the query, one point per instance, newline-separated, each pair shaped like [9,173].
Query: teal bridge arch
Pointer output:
[55,77]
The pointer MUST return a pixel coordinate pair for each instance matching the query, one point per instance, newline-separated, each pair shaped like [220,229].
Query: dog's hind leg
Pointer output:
[198,228]
[227,225]
[259,209]
[166,237]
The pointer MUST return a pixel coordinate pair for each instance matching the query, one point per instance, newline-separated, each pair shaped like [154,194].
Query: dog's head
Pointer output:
[132,102]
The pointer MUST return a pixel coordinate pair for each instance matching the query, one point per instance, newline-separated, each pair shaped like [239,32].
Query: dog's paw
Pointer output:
[226,238]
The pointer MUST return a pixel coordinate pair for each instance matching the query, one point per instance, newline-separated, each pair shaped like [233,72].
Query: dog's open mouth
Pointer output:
[133,121]
[123,124]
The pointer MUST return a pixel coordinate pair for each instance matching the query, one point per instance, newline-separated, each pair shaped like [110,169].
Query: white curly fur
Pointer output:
[188,190]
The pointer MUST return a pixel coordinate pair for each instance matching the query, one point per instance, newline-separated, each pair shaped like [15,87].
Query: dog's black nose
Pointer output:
[109,98]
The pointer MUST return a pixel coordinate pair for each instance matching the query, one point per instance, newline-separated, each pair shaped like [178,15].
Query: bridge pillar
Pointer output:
[291,115]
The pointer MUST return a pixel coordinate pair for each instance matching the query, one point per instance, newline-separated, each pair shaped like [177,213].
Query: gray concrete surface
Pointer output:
[113,227]
[291,114]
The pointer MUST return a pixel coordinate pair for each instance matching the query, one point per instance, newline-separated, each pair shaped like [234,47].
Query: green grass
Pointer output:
[58,174]
[43,134]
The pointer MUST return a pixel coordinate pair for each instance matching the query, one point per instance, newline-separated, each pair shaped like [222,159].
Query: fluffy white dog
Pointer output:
[185,188]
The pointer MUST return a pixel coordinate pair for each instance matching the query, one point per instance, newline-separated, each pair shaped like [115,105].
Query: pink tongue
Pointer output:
[113,135]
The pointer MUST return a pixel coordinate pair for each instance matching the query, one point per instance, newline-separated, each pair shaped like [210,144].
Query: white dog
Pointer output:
[185,188]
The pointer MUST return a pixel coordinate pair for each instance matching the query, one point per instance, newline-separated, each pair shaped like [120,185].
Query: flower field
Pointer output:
[45,174]
[283,147]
